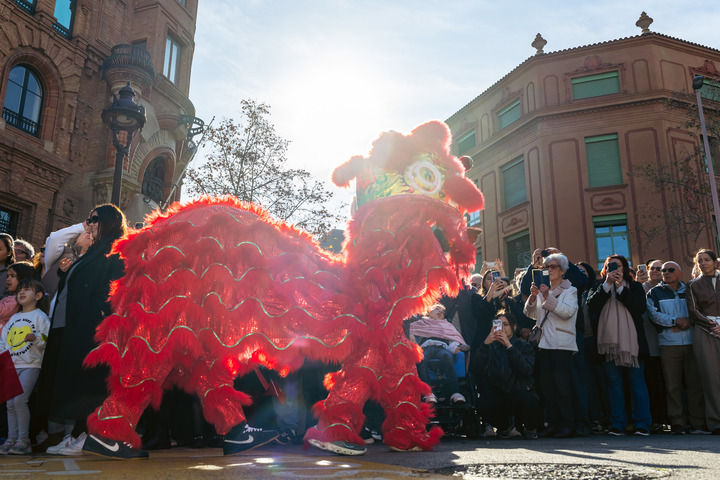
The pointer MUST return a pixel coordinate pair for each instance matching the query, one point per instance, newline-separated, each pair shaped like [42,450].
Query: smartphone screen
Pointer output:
[497,324]
[612,267]
[495,275]
[642,268]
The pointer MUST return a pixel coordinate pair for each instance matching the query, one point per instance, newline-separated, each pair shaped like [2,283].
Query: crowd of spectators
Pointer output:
[556,351]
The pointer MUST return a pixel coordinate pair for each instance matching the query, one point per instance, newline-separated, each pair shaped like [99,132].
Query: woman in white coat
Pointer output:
[555,308]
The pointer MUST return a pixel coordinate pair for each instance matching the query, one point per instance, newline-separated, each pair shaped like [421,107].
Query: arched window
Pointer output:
[23,100]
[154,180]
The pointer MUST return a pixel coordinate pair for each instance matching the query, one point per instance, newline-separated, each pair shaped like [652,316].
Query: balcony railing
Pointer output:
[130,55]
[17,121]
[62,30]
[28,6]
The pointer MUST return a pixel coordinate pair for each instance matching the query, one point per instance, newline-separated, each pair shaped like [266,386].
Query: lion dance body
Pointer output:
[215,288]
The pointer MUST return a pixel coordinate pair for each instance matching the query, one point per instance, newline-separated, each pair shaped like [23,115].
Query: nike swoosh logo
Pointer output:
[242,442]
[112,448]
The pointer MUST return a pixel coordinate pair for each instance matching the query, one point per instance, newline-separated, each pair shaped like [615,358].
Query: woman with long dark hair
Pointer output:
[7,258]
[616,305]
[703,303]
[73,392]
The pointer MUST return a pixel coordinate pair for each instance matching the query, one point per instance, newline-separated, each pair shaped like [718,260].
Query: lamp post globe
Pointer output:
[124,115]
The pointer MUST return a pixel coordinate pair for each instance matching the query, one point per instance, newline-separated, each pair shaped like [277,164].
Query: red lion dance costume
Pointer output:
[215,288]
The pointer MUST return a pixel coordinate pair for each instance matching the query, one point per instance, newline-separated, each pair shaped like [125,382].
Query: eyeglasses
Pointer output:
[552,266]
[91,220]
[669,269]
[656,269]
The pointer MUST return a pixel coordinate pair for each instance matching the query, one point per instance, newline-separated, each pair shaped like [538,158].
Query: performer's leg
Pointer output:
[400,392]
[340,415]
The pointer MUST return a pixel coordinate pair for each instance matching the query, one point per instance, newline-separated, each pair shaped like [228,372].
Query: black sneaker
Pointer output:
[366,435]
[243,437]
[340,447]
[98,445]
[641,432]
[678,430]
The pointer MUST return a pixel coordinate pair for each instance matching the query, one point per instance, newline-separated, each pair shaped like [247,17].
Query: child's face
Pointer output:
[436,313]
[12,281]
[27,297]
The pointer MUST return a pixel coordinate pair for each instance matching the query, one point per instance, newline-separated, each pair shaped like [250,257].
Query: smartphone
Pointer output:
[540,276]
[612,267]
[642,268]
[544,253]
[497,324]
[495,275]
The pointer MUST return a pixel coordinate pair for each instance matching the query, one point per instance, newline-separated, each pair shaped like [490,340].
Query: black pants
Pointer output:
[556,383]
[496,407]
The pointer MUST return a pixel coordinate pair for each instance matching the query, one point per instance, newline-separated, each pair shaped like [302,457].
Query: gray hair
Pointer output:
[26,246]
[561,260]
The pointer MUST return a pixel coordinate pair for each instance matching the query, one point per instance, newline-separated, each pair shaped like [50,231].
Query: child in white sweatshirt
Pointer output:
[24,336]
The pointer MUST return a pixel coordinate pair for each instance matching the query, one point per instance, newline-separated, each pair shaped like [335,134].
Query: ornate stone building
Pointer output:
[61,62]
[569,147]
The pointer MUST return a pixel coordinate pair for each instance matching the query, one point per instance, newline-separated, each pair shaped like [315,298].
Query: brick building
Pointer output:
[568,147]
[61,61]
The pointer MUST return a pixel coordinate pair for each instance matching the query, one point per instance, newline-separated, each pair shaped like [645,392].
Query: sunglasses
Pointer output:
[91,220]
[666,270]
[656,269]
[42,250]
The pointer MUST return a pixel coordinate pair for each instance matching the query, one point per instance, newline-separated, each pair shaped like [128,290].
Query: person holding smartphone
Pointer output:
[555,308]
[616,308]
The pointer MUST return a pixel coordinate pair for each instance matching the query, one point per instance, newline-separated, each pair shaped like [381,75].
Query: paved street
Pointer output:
[665,456]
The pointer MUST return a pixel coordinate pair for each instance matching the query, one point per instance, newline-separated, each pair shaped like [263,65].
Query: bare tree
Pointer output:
[687,180]
[247,159]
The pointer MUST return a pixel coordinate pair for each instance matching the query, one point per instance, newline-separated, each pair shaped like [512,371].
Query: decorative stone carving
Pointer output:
[538,44]
[68,207]
[644,23]
[607,201]
[515,222]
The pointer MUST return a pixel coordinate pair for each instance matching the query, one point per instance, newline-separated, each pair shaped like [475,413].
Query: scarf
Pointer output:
[617,337]
[429,328]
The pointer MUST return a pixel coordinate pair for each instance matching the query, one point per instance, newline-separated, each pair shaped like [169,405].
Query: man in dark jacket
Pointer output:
[507,363]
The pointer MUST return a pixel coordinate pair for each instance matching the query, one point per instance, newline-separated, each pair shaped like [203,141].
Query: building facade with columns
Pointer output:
[579,149]
[61,62]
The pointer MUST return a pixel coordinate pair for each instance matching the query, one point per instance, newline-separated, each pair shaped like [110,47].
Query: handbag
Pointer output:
[9,382]
[537,331]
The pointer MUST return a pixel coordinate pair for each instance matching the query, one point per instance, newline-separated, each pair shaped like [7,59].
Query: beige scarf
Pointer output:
[617,337]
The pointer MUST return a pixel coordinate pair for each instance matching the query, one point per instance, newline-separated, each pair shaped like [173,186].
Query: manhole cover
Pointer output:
[521,471]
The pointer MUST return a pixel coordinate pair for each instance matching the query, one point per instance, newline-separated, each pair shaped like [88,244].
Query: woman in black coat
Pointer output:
[73,392]
[616,306]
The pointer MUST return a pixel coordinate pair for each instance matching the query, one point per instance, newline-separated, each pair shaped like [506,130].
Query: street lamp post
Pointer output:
[124,115]
[697,84]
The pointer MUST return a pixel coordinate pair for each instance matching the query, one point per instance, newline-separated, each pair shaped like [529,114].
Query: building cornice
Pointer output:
[536,60]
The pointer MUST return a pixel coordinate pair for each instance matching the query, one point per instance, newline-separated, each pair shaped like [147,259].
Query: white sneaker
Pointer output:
[457,398]
[55,449]
[75,447]
[430,398]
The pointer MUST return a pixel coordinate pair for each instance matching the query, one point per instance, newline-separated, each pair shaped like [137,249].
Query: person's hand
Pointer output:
[491,337]
[457,350]
[534,290]
[524,333]
[642,276]
[492,290]
[683,323]
[544,289]
[537,258]
[502,338]
[64,264]
[30,337]
[716,330]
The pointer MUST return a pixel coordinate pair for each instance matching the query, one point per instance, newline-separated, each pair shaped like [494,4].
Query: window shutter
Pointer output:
[603,160]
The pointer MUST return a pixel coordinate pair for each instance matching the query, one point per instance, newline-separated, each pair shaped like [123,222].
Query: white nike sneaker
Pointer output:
[55,449]
[75,447]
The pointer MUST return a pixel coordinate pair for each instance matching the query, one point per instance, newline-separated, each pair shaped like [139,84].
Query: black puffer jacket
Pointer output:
[506,369]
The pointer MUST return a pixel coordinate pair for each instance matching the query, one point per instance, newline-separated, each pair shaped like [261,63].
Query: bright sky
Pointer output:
[336,73]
